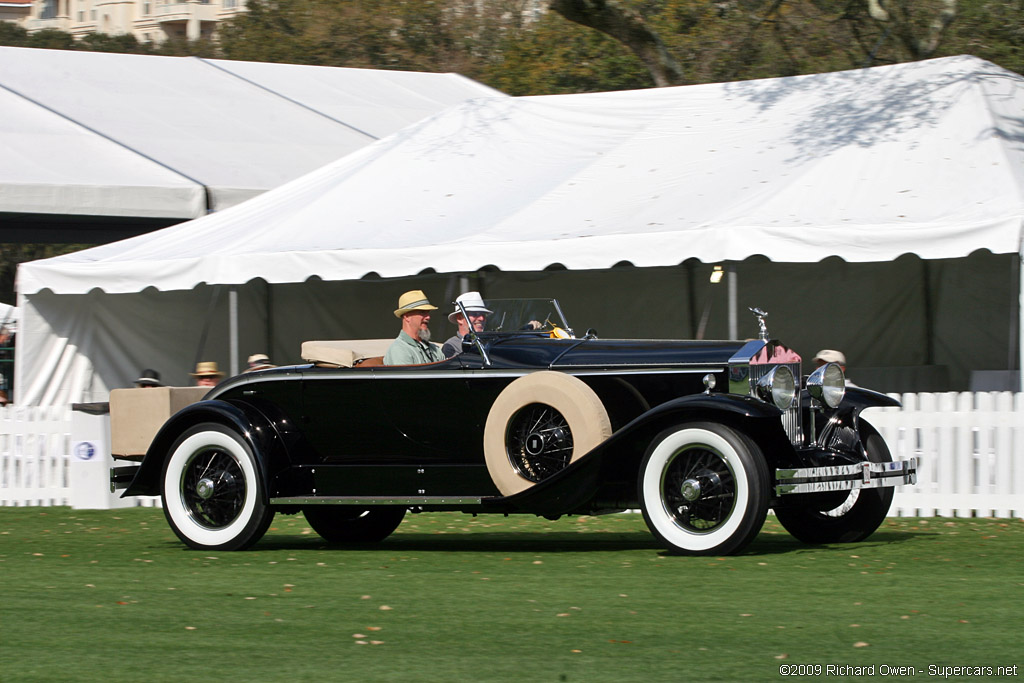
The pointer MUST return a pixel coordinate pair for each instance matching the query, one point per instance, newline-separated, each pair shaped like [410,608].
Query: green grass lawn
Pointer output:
[113,596]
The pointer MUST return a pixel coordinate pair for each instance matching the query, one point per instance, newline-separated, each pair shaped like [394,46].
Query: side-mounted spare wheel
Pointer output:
[212,492]
[703,489]
[843,520]
[539,424]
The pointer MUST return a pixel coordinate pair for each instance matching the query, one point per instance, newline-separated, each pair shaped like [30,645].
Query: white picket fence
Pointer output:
[970,452]
[969,446]
[35,444]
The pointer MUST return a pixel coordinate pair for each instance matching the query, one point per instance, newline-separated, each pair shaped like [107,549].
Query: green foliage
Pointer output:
[13,35]
[104,42]
[492,41]
[451,597]
[52,39]
[556,56]
[13,254]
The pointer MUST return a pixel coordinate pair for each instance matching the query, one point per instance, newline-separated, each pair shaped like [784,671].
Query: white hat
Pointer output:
[472,302]
[831,356]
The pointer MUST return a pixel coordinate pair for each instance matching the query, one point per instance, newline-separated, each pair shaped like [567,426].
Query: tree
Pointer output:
[13,35]
[919,25]
[626,25]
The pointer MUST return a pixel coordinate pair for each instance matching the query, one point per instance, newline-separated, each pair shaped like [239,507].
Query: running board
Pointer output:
[374,500]
[865,475]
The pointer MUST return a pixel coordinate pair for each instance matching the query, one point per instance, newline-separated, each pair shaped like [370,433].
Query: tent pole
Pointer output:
[1020,314]
[201,347]
[731,277]
[233,329]
[929,314]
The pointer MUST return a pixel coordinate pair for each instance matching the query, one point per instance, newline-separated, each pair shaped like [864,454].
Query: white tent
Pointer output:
[90,134]
[924,158]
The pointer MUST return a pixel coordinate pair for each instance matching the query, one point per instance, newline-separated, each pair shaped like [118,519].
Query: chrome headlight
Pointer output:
[827,384]
[778,387]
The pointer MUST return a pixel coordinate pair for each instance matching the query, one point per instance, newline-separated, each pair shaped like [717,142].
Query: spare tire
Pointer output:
[539,424]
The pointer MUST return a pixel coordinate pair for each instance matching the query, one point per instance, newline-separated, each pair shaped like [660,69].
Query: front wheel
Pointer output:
[348,524]
[703,488]
[855,518]
[211,490]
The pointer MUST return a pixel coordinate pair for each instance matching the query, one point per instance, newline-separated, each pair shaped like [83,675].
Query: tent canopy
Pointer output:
[876,167]
[116,135]
[924,158]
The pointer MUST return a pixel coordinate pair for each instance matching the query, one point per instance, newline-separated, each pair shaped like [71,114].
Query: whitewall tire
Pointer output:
[703,489]
[212,492]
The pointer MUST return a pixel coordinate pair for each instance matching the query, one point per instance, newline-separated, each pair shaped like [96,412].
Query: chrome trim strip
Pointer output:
[637,369]
[348,373]
[375,500]
[863,475]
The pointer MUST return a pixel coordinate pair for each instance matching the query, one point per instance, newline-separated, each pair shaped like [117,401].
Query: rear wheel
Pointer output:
[850,519]
[211,490]
[350,524]
[704,489]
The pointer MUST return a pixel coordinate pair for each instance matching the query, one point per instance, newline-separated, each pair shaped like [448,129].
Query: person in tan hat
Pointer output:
[413,346]
[832,356]
[207,374]
[258,361]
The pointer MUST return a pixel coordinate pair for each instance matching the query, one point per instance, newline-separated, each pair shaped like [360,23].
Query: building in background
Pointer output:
[150,21]
[15,10]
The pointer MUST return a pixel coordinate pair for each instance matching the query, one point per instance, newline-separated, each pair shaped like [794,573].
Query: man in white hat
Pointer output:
[474,305]
[413,346]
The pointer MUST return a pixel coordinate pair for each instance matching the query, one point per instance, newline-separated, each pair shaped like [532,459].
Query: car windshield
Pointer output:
[515,316]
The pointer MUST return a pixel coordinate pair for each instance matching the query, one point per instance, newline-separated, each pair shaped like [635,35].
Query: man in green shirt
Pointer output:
[413,346]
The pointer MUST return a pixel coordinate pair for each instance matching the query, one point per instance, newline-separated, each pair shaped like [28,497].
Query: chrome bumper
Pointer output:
[865,475]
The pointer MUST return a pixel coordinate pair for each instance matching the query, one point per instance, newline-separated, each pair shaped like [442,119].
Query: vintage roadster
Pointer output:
[702,436]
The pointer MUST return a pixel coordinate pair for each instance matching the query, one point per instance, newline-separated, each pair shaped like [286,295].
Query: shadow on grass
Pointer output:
[556,542]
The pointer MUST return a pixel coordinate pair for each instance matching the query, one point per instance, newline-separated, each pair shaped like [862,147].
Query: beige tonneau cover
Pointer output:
[343,353]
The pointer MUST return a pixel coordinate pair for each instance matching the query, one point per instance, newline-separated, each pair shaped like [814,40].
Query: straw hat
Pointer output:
[207,368]
[258,361]
[414,300]
[472,302]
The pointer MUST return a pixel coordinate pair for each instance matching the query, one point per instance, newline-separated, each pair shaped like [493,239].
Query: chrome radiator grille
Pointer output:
[791,417]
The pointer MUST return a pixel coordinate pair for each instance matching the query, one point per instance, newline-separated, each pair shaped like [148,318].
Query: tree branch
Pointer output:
[629,28]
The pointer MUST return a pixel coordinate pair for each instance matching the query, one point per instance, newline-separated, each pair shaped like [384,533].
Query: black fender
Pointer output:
[616,462]
[258,432]
[859,398]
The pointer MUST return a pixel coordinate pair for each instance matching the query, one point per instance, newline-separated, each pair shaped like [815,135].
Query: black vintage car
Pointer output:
[702,436]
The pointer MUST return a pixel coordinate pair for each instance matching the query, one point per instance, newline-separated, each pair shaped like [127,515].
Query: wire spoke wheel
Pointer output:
[539,442]
[539,425]
[703,489]
[699,489]
[835,519]
[213,488]
[212,491]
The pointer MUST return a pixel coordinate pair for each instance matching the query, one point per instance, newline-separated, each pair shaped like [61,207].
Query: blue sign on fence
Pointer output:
[84,450]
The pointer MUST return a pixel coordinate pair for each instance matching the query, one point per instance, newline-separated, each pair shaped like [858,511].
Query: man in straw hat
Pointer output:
[477,311]
[413,343]
[207,374]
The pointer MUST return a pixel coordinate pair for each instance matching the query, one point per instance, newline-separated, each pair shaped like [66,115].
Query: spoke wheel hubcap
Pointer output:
[538,442]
